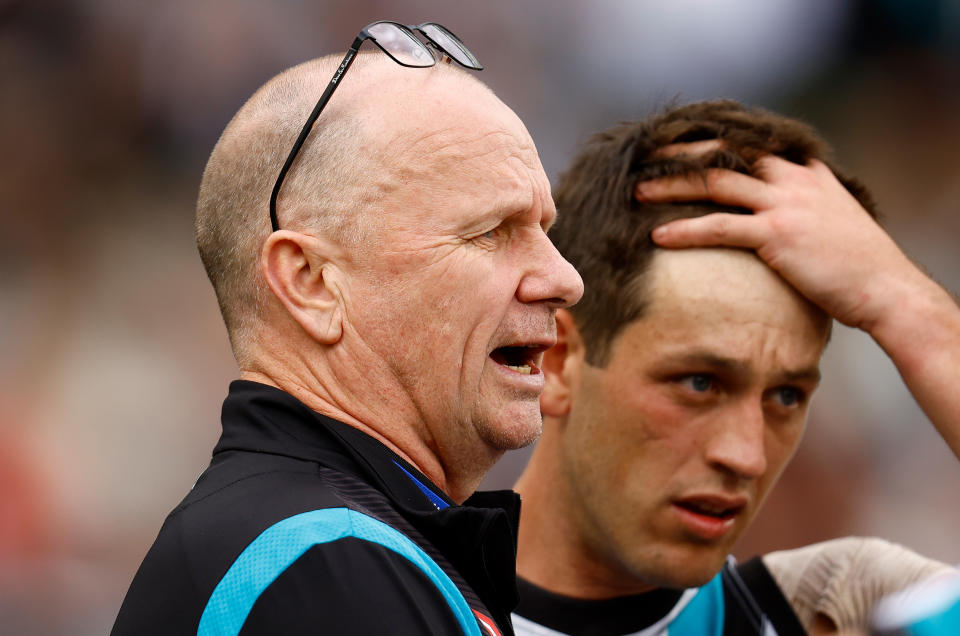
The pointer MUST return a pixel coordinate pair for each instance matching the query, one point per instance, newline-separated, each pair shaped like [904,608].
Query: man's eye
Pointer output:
[699,382]
[487,237]
[788,395]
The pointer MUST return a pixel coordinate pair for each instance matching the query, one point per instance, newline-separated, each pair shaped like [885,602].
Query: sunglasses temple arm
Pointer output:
[307,127]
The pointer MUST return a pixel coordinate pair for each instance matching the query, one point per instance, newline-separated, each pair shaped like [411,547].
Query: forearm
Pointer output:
[843,579]
[921,334]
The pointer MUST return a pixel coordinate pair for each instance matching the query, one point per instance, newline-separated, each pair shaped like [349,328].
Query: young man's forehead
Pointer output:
[730,277]
[713,300]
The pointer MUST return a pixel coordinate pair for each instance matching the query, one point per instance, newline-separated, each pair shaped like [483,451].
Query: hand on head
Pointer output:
[808,227]
[805,225]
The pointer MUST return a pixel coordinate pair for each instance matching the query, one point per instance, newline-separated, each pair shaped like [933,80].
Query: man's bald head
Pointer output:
[327,191]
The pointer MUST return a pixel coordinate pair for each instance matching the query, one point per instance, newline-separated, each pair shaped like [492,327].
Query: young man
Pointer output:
[679,386]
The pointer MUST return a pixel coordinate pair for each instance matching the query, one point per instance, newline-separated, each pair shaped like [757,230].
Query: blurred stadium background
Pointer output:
[113,360]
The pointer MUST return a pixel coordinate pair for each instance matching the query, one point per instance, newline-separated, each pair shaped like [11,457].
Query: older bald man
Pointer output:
[388,309]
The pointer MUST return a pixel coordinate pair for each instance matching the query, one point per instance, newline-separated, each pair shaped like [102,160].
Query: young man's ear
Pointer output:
[302,274]
[561,367]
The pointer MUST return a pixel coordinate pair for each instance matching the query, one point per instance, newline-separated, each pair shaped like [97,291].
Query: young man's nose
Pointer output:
[737,441]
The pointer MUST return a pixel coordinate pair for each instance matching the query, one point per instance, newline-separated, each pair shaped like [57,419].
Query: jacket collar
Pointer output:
[261,418]
[479,537]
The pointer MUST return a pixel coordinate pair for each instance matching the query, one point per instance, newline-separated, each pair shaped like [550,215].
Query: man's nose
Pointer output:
[737,442]
[550,278]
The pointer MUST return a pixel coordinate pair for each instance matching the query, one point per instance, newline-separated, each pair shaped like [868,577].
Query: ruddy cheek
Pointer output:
[662,420]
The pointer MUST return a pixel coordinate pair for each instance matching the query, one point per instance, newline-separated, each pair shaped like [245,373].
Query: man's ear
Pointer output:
[302,274]
[562,365]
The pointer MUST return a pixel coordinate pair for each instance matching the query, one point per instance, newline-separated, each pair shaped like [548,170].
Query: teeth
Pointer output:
[523,370]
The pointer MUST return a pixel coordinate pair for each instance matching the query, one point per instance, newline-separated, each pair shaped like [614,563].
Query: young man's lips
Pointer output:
[709,517]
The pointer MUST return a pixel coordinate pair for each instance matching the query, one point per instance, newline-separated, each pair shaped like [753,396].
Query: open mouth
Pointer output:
[713,509]
[522,359]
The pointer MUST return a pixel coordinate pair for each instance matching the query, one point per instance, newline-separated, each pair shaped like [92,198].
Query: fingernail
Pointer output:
[659,233]
[639,192]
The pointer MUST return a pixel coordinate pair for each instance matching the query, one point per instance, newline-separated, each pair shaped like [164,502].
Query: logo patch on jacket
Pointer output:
[489,627]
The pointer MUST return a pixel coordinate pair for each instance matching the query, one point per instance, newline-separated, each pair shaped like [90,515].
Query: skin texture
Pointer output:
[394,335]
[810,230]
[705,395]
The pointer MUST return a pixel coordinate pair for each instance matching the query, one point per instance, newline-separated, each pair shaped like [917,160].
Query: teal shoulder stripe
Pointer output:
[704,615]
[946,621]
[284,542]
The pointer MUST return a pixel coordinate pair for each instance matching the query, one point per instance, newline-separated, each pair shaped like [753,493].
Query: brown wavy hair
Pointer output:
[605,233]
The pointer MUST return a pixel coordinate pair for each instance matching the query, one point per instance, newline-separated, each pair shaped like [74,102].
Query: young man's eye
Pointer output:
[699,382]
[788,395]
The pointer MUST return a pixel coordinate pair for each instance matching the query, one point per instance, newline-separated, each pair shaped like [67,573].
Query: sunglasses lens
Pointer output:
[451,44]
[401,44]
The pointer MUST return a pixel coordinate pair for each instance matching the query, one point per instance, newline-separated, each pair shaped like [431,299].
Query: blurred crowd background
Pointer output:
[113,359]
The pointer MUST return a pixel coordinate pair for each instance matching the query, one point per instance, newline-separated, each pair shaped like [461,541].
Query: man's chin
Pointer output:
[692,569]
[514,427]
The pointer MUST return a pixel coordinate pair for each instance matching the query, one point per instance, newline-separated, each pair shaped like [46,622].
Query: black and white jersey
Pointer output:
[741,600]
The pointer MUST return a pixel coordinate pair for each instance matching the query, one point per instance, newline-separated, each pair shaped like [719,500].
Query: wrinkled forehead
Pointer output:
[454,119]
[401,106]
[497,165]
[482,141]
[453,133]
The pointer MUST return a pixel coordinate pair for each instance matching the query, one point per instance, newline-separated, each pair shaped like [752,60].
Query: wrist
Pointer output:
[914,318]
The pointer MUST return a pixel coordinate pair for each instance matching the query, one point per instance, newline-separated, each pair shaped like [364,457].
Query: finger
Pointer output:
[719,229]
[725,187]
[821,168]
[779,171]
[690,148]
[823,171]
[769,167]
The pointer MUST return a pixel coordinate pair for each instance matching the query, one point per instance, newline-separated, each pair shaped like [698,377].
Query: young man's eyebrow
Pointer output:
[707,359]
[811,374]
[732,365]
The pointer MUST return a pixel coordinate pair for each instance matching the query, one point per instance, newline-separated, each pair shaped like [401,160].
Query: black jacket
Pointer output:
[302,524]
